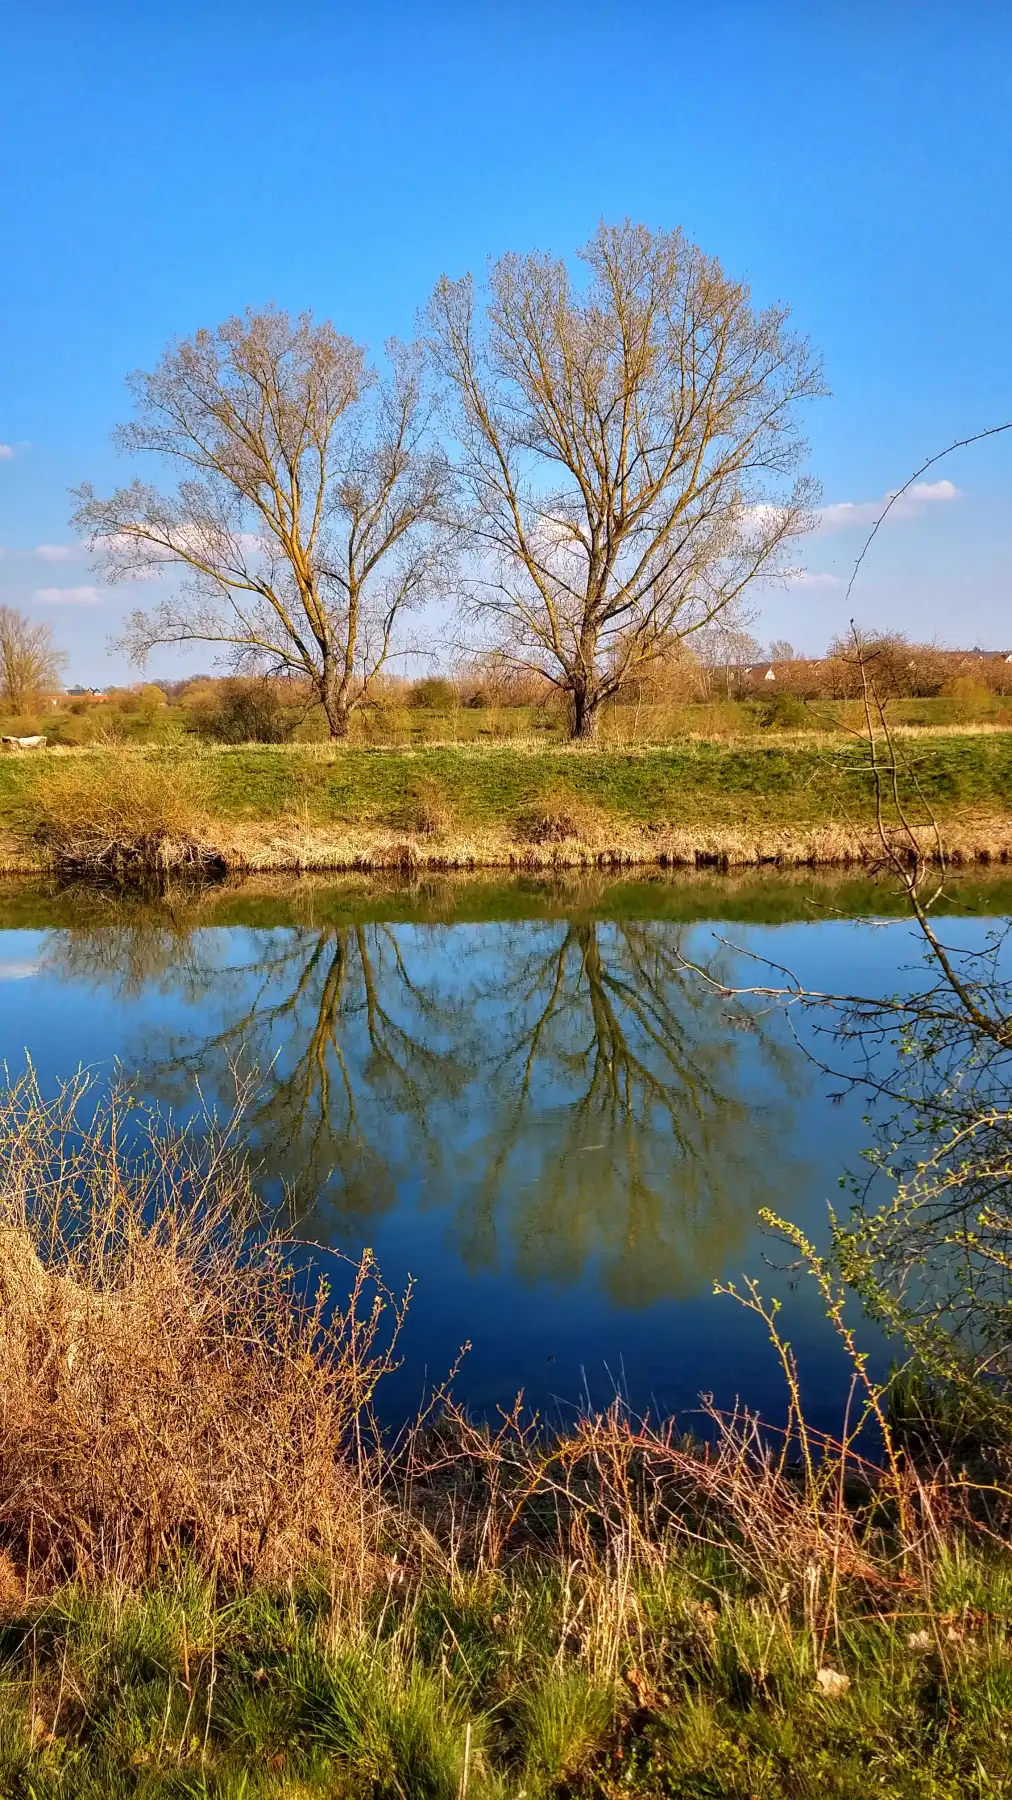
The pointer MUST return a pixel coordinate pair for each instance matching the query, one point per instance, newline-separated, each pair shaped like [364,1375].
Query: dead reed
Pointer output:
[173,1393]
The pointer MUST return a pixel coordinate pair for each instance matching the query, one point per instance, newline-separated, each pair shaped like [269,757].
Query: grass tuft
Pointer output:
[127,815]
[563,1722]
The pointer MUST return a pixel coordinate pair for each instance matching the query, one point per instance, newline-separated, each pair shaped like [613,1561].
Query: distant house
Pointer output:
[86,693]
[769,675]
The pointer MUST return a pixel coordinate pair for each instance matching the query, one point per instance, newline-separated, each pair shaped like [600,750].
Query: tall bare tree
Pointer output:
[30,663]
[624,445]
[307,510]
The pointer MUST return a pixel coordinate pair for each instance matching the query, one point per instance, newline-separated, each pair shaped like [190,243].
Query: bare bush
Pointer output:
[433,693]
[151,817]
[171,1391]
[491,679]
[243,711]
[902,669]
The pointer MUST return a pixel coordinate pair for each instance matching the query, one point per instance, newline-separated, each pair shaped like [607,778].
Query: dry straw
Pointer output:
[137,816]
[173,1392]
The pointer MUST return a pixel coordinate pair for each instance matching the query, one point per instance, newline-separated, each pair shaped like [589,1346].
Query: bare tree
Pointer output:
[898,667]
[624,446]
[30,663]
[781,650]
[727,649]
[307,510]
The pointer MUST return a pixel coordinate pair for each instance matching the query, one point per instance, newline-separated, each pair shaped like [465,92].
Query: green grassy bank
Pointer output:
[684,1682]
[789,799]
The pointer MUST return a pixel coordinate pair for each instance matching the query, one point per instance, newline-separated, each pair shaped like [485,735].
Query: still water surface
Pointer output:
[518,1095]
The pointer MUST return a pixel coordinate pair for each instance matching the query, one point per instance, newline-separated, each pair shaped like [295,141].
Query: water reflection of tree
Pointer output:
[563,1087]
[325,1029]
[646,1155]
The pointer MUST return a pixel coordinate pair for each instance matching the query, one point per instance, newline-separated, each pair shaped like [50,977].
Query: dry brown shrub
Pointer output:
[427,809]
[117,814]
[173,1390]
[611,1486]
[559,816]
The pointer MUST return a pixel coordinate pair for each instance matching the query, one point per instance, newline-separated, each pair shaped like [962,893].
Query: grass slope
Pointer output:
[790,799]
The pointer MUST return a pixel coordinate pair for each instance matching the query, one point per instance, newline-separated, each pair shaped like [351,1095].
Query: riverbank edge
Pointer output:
[276,848]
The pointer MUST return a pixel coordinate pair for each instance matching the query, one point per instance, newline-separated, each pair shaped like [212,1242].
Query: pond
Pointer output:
[522,1095]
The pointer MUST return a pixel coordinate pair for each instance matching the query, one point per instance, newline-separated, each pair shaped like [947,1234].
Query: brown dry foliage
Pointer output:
[560,816]
[140,815]
[172,1392]
[612,1487]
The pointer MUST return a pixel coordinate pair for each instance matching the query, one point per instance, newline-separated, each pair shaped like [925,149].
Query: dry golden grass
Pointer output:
[144,815]
[305,846]
[171,1394]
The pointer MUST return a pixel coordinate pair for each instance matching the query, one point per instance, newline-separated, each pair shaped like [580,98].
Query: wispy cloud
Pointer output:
[69,596]
[812,578]
[847,513]
[6,452]
[18,971]
[47,553]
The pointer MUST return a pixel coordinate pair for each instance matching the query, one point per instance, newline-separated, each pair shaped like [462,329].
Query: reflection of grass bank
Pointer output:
[321,899]
[791,801]
[212,1585]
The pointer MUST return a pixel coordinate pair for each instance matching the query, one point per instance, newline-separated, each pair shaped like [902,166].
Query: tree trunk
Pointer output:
[584,716]
[334,700]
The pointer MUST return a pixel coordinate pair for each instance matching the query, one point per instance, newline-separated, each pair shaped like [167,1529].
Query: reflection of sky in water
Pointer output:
[563,1137]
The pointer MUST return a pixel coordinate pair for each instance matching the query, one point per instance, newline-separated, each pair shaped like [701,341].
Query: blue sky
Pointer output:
[165,166]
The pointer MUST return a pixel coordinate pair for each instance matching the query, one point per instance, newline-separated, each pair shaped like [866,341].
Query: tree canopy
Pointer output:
[625,446]
[306,512]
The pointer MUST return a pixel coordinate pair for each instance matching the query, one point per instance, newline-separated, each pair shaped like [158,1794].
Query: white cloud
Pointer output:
[847,513]
[924,493]
[18,971]
[6,452]
[811,578]
[69,596]
[54,552]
